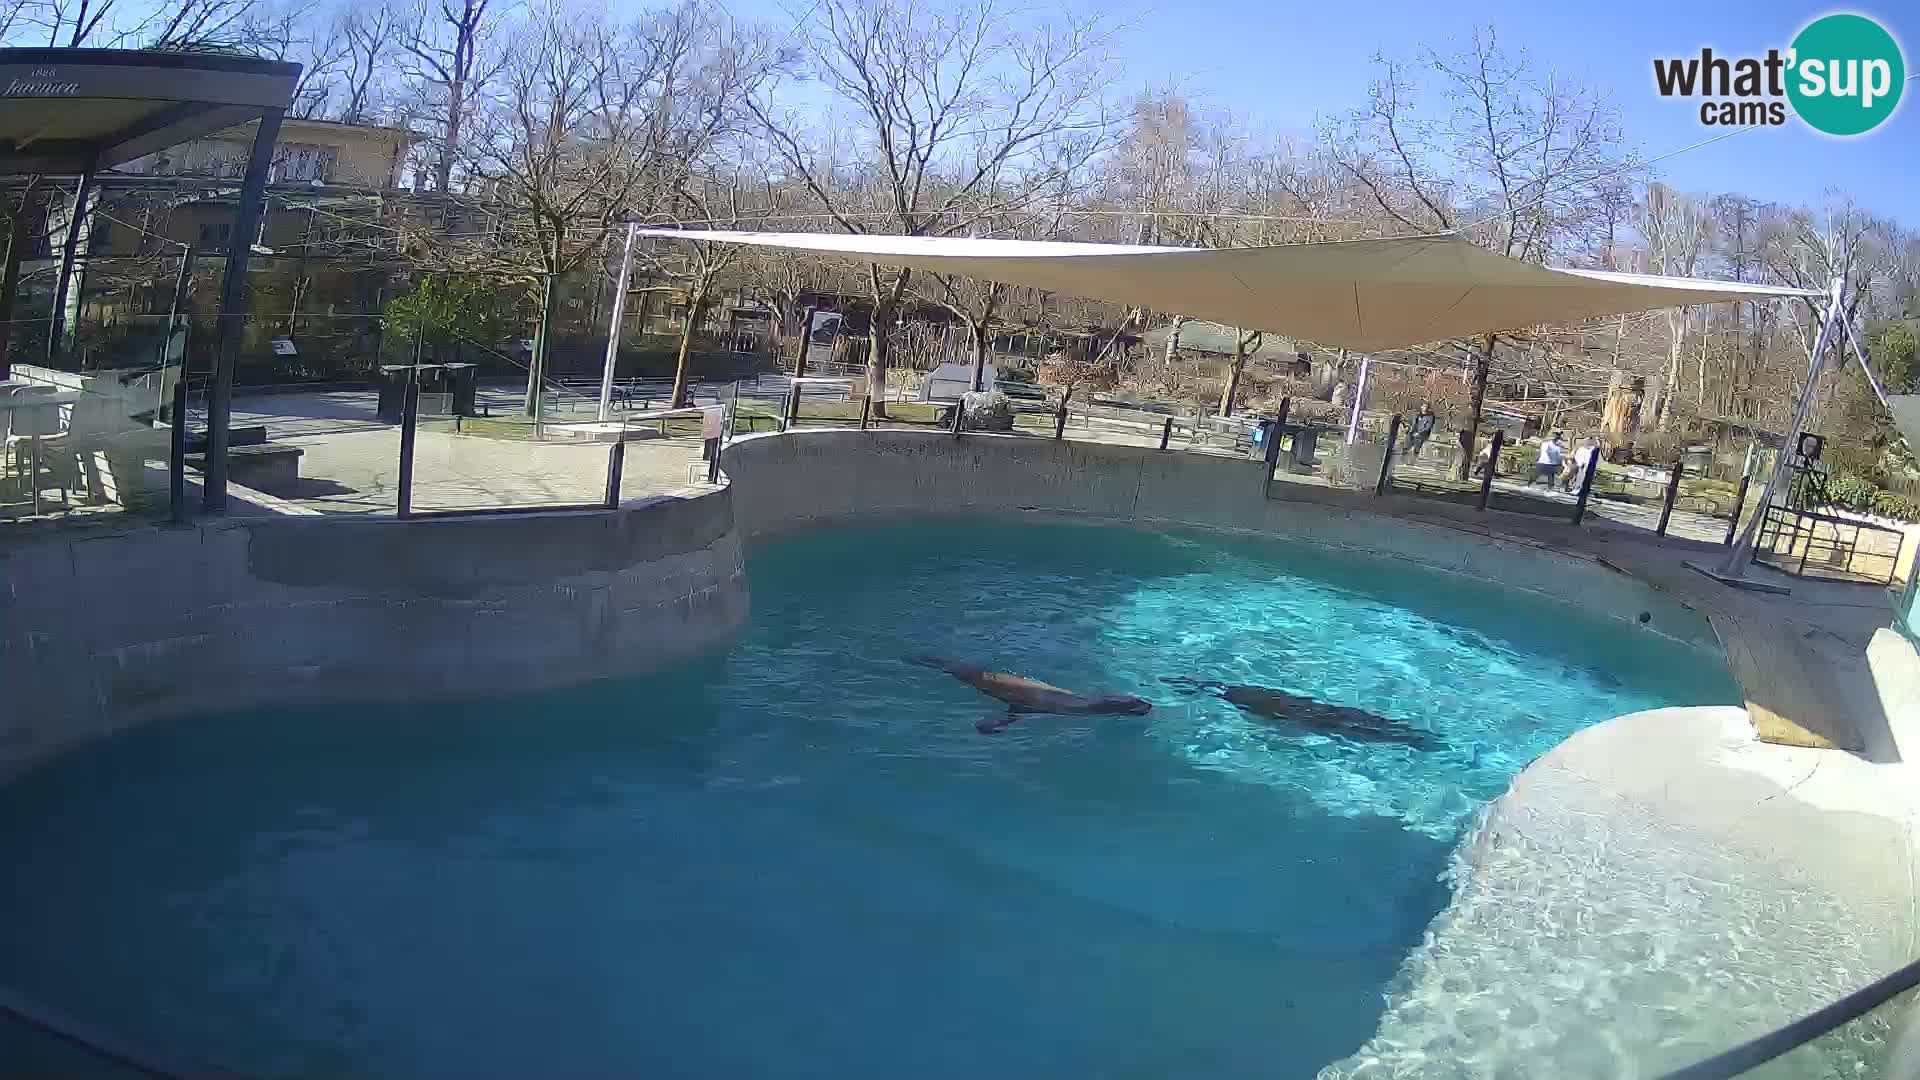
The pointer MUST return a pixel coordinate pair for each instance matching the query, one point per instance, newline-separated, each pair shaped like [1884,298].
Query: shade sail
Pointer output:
[1358,294]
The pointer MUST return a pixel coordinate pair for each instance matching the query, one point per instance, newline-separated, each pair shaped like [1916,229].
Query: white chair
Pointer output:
[34,424]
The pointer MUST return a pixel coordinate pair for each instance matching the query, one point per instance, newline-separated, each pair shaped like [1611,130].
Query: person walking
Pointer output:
[1420,430]
[1577,465]
[1548,466]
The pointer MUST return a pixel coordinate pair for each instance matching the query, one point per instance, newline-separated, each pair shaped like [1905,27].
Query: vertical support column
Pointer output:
[1060,420]
[1493,466]
[613,325]
[233,307]
[1359,399]
[1273,447]
[792,416]
[1386,459]
[76,221]
[733,411]
[1166,433]
[959,417]
[1586,487]
[866,412]
[177,440]
[617,467]
[1673,492]
[409,416]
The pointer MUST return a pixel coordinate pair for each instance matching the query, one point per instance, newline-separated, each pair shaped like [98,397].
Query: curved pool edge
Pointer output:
[797,480]
[100,633]
[1648,863]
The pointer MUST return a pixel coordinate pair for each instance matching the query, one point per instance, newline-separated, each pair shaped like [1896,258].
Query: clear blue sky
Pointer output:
[1284,65]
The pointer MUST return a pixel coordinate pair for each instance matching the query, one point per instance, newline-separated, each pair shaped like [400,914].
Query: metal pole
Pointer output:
[1586,486]
[1359,395]
[1060,421]
[177,442]
[1166,433]
[1673,492]
[613,324]
[1273,447]
[409,414]
[1493,466]
[233,306]
[1742,553]
[1386,459]
[793,407]
[959,417]
[56,327]
[866,412]
[617,467]
[733,411]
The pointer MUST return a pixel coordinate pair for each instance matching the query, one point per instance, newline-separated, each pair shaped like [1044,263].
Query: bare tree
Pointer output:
[1518,161]
[449,46]
[1677,229]
[1245,344]
[945,103]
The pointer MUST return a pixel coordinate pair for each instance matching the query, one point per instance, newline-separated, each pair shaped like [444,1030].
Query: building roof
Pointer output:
[68,111]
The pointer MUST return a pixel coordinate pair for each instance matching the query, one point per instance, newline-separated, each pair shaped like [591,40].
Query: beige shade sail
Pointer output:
[1364,295]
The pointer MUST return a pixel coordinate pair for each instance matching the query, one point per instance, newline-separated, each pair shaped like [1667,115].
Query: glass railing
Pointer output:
[1873,1032]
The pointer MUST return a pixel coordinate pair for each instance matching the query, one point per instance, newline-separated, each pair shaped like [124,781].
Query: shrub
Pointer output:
[1850,491]
[1898,507]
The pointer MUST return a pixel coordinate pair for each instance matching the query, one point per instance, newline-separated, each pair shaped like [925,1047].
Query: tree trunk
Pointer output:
[1232,389]
[696,306]
[1481,364]
[981,339]
[537,364]
[456,104]
[1173,345]
[1670,386]
[886,302]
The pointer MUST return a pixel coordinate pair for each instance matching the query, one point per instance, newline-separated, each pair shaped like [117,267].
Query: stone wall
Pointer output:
[793,480]
[98,633]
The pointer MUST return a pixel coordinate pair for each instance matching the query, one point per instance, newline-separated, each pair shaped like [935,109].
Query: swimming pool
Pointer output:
[798,857]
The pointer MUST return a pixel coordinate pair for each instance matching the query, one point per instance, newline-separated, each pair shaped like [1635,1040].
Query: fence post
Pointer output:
[1673,492]
[617,466]
[177,450]
[793,407]
[1060,421]
[866,411]
[959,417]
[1273,447]
[1739,504]
[733,412]
[1386,459]
[1586,486]
[1166,433]
[409,416]
[1493,466]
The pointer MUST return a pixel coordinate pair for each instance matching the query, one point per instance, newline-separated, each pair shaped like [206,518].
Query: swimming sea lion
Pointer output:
[1345,720]
[1024,695]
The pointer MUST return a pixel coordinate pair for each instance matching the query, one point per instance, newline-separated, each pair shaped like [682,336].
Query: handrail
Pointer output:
[104,1045]
[1774,1043]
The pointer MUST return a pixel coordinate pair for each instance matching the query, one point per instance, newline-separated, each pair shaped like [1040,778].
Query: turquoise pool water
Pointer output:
[798,857]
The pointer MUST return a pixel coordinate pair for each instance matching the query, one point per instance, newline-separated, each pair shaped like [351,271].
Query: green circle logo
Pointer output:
[1846,74]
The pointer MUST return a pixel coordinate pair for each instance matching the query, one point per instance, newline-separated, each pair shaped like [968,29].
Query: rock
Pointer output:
[988,411]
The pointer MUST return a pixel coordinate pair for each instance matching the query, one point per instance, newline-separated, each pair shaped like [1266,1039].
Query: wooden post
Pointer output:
[1493,466]
[1673,492]
[1586,486]
[959,416]
[793,407]
[1166,433]
[806,342]
[866,412]
[617,466]
[1386,459]
[1060,421]
[409,416]
[1273,447]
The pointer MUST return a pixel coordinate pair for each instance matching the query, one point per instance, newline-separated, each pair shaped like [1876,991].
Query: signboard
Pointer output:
[284,347]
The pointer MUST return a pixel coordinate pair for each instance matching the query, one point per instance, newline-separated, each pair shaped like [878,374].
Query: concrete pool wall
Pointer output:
[789,481]
[101,632]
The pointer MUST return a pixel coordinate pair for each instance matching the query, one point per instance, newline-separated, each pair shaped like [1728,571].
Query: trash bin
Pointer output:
[393,391]
[463,380]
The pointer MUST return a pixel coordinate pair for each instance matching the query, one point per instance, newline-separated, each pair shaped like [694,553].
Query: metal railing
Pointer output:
[86,1049]
[1774,1044]
[1846,549]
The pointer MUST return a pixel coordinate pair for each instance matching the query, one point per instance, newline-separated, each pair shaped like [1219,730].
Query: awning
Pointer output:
[1364,295]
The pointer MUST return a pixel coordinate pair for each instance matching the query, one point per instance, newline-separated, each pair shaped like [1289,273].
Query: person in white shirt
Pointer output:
[1548,467]
[1577,465]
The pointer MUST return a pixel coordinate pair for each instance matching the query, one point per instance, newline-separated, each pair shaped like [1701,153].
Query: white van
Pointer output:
[948,381]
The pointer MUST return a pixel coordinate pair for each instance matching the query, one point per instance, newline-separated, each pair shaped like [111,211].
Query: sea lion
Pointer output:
[1344,720]
[1024,695]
